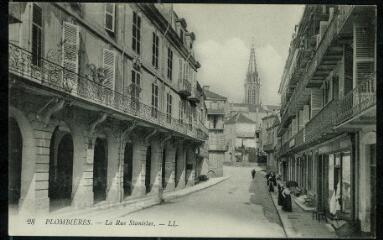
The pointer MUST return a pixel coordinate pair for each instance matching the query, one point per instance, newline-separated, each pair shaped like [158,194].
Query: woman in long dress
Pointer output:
[280,197]
[286,206]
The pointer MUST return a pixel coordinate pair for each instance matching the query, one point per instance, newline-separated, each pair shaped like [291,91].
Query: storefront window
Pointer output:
[346,185]
[339,187]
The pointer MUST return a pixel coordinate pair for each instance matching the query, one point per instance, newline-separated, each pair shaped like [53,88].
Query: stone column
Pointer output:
[169,167]
[191,161]
[181,166]
[35,168]
[156,168]
[139,163]
[83,157]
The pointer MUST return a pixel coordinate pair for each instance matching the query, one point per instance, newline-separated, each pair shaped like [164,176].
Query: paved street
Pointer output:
[236,207]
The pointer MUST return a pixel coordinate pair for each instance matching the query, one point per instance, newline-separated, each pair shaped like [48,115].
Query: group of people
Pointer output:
[284,192]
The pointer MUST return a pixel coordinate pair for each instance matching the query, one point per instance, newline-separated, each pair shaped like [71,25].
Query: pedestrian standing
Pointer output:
[286,206]
[253,173]
[271,182]
[267,178]
[280,197]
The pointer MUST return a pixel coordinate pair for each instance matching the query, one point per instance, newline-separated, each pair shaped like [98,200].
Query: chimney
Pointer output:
[206,87]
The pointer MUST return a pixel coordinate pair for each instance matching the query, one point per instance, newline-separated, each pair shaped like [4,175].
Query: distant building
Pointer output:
[269,140]
[216,105]
[249,114]
[240,136]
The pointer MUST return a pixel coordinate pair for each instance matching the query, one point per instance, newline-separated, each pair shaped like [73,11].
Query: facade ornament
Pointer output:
[54,105]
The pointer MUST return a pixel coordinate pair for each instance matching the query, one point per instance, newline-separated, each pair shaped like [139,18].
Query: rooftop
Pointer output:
[239,118]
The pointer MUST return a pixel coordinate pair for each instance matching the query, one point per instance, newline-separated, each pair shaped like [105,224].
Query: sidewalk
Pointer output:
[299,223]
[138,203]
[183,192]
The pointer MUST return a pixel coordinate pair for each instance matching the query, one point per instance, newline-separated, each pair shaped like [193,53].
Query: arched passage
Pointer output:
[60,169]
[128,169]
[15,149]
[100,167]
[148,168]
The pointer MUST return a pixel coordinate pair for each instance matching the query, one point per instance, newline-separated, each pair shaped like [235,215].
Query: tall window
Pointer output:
[110,13]
[154,100]
[170,64]
[135,89]
[215,121]
[155,50]
[181,111]
[326,92]
[169,100]
[37,28]
[136,41]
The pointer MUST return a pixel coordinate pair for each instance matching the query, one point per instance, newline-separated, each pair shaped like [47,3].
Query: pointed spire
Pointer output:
[252,73]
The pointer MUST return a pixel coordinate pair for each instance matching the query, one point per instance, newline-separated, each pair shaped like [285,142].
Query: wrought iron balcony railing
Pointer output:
[216,111]
[58,78]
[357,101]
[322,123]
[184,88]
[300,137]
[268,147]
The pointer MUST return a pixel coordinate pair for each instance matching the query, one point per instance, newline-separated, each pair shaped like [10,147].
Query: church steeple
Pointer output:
[252,82]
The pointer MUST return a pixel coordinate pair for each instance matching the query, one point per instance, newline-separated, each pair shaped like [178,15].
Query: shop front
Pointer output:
[335,179]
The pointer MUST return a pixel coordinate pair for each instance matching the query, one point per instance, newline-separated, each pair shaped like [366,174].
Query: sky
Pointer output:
[224,35]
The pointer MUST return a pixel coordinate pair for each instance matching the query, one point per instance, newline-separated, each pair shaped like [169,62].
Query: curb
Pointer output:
[174,195]
[279,215]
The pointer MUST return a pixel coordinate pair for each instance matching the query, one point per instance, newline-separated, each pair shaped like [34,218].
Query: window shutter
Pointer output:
[363,53]
[109,66]
[110,11]
[316,101]
[70,49]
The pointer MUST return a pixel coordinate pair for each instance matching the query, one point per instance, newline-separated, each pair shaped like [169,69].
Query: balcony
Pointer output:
[324,60]
[357,103]
[268,147]
[216,111]
[320,127]
[194,97]
[56,79]
[184,88]
[300,137]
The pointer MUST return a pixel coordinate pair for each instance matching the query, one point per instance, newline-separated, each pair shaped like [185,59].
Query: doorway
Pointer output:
[148,168]
[373,188]
[15,149]
[60,169]
[128,169]
[100,166]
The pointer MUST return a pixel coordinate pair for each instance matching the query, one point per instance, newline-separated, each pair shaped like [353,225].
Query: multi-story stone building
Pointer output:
[269,140]
[241,140]
[216,108]
[328,125]
[104,104]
